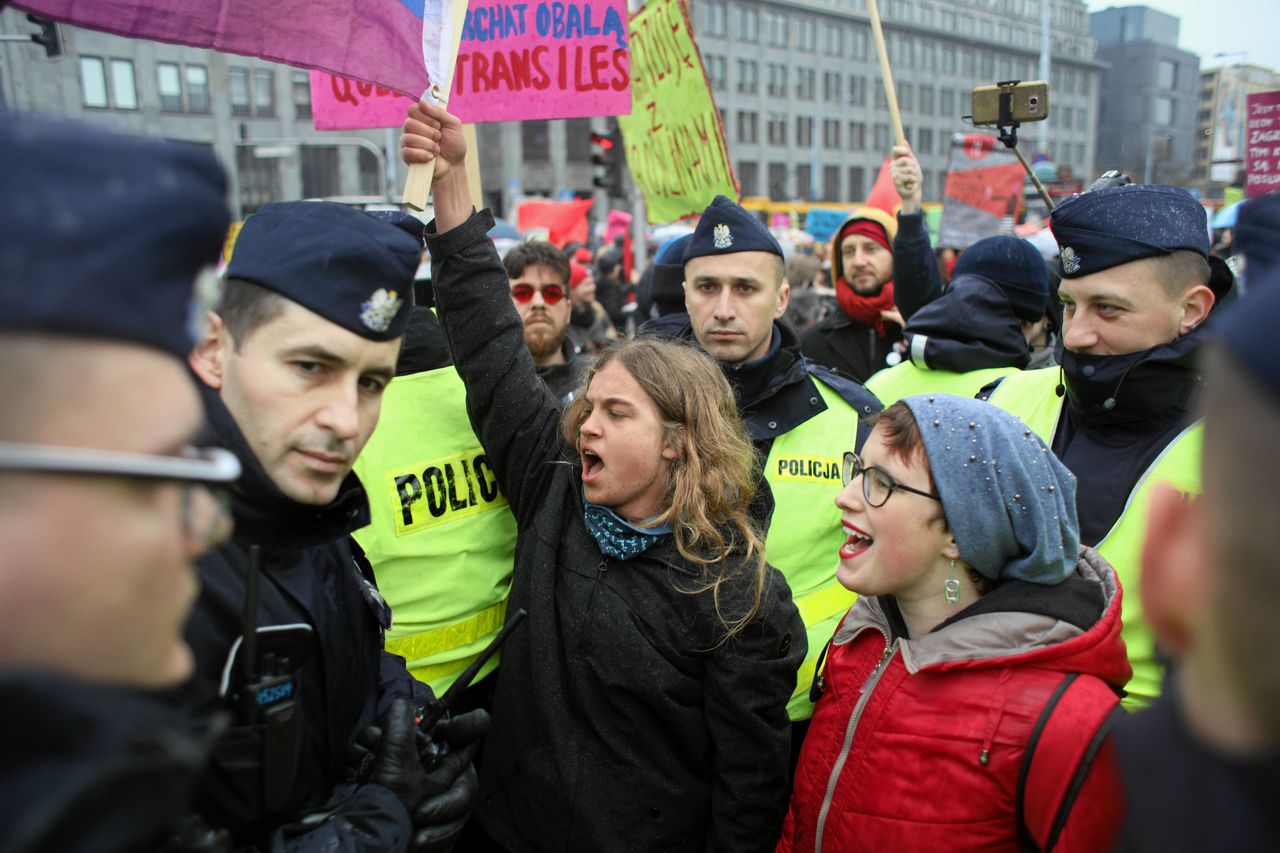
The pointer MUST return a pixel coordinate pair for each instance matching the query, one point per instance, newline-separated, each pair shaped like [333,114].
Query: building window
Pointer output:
[747,177]
[748,77]
[882,103]
[830,183]
[535,139]
[718,72]
[926,100]
[858,90]
[804,131]
[748,24]
[197,89]
[947,103]
[856,183]
[259,179]
[777,129]
[713,18]
[319,171]
[371,181]
[775,29]
[124,89]
[805,78]
[169,85]
[264,92]
[906,97]
[834,40]
[93,82]
[1163,111]
[830,133]
[804,179]
[1167,75]
[748,129]
[882,138]
[858,44]
[301,95]
[857,136]
[924,141]
[807,35]
[238,90]
[777,180]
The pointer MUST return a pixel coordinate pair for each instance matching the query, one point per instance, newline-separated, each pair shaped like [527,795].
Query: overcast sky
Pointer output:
[1222,26]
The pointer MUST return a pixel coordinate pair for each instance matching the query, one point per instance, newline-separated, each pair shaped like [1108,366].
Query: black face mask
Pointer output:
[1151,384]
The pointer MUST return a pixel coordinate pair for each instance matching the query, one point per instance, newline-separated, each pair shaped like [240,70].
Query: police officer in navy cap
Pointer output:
[1201,768]
[1137,288]
[104,499]
[324,752]
[802,417]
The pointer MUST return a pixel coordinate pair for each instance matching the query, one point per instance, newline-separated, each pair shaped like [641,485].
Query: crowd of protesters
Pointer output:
[873,546]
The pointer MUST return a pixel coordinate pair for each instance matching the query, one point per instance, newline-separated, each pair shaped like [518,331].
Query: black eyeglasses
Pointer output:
[877,486]
[197,467]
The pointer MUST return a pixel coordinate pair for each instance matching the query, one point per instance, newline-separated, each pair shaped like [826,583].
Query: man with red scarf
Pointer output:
[859,339]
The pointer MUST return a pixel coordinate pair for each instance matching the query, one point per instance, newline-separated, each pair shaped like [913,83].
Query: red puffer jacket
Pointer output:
[917,744]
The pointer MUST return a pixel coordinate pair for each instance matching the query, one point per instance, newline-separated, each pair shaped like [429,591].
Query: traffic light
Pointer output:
[609,159]
[49,37]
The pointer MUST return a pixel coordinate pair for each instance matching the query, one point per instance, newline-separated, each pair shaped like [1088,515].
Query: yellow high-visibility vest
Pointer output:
[1031,395]
[805,534]
[906,380]
[442,538]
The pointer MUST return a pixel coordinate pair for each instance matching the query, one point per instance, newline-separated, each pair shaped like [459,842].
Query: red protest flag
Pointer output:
[883,194]
[565,221]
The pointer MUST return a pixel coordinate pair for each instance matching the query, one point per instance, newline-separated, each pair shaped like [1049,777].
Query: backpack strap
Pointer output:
[1070,731]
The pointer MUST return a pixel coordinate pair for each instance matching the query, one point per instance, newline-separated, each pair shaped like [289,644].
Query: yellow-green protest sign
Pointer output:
[674,139]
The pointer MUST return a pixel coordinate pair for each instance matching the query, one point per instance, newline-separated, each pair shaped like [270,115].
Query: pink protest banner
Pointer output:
[1262,152]
[380,41]
[562,59]
[338,103]
[516,61]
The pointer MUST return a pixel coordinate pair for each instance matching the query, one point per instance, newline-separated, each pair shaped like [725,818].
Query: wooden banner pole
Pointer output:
[417,184]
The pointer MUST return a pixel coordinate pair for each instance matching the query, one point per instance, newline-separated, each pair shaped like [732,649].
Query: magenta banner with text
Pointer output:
[516,61]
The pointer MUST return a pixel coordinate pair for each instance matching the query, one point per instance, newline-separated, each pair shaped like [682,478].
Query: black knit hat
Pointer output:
[1013,265]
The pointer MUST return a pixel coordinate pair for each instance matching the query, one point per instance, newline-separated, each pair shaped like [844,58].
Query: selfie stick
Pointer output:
[1008,130]
[886,76]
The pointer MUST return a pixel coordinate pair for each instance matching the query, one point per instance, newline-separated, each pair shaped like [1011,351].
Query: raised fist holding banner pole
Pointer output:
[886,75]
[452,16]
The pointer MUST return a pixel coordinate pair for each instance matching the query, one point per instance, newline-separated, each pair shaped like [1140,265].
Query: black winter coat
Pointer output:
[90,768]
[620,722]
[319,624]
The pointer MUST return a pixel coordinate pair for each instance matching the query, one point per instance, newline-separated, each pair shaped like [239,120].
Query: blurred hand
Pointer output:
[433,135]
[908,179]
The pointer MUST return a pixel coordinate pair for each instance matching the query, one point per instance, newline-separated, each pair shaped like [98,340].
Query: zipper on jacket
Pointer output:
[867,688]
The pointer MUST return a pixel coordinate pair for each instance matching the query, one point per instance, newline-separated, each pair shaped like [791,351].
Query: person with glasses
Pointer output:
[539,275]
[966,697]
[288,629]
[643,706]
[105,498]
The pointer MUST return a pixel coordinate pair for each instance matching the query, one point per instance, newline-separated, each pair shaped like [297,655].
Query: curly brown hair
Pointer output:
[713,480]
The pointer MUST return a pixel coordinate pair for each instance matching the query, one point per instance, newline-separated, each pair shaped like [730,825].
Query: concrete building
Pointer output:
[798,87]
[1220,122]
[254,115]
[1147,103]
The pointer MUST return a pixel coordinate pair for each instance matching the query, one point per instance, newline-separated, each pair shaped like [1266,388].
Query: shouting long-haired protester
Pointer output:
[967,695]
[642,706]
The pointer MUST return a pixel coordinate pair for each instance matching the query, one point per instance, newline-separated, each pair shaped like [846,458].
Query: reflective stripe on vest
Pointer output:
[442,539]
[906,380]
[1177,465]
[805,534]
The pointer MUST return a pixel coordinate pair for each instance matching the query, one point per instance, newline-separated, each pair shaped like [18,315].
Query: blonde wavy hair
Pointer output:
[713,480]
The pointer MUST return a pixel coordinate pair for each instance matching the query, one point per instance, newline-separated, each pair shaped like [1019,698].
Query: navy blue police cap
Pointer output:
[1104,228]
[102,235]
[725,228]
[353,268]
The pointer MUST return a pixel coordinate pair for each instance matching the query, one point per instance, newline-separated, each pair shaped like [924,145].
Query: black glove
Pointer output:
[397,765]
[452,783]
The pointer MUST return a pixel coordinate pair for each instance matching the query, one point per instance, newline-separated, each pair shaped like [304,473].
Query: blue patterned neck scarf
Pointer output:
[616,536]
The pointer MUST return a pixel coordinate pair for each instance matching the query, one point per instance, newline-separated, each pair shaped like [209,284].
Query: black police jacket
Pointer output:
[321,673]
[90,768]
[620,723]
